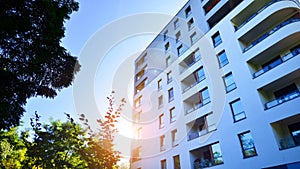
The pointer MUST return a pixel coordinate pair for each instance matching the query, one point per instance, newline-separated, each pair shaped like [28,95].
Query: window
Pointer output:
[199,74]
[176,24]
[165,34]
[141,61]
[176,160]
[283,93]
[216,39]
[295,132]
[172,115]
[229,82]
[237,110]
[196,55]
[137,117]
[247,144]
[163,164]
[168,61]
[188,11]
[162,143]
[139,133]
[161,121]
[167,46]
[204,96]
[136,154]
[180,50]
[169,77]
[178,34]
[174,137]
[222,57]
[138,102]
[190,23]
[159,84]
[193,38]
[160,101]
[171,94]
[272,63]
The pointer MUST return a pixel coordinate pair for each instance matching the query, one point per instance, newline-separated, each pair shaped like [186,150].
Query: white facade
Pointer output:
[219,88]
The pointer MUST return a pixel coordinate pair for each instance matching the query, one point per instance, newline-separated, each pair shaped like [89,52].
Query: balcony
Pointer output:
[196,101]
[257,6]
[281,91]
[141,86]
[197,128]
[267,34]
[217,16]
[287,132]
[189,61]
[277,62]
[282,99]
[206,156]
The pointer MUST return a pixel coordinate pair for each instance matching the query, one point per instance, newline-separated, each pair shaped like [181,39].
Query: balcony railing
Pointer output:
[283,59]
[200,79]
[191,64]
[194,135]
[264,36]
[283,99]
[255,14]
[198,106]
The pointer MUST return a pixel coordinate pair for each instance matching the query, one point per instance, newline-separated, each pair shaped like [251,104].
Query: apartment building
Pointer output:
[219,88]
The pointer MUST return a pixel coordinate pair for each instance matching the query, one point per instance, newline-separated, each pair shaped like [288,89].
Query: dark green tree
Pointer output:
[32,60]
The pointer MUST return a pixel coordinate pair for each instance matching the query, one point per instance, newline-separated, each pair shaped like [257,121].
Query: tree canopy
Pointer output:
[32,60]
[62,144]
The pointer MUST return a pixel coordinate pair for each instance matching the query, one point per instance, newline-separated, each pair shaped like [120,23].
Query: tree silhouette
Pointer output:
[32,60]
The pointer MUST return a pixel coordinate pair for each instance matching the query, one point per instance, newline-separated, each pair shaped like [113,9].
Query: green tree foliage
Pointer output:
[32,60]
[101,153]
[68,145]
[12,149]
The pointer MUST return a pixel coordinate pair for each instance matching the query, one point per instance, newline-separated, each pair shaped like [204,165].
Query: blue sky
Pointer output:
[92,16]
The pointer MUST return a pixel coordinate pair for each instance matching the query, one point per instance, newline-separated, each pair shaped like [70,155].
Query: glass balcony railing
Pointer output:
[199,105]
[197,58]
[256,13]
[264,36]
[200,79]
[283,59]
[283,99]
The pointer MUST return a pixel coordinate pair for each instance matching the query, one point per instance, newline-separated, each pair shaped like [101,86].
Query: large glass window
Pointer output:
[295,132]
[247,144]
[178,35]
[237,110]
[171,94]
[163,164]
[180,50]
[176,24]
[216,39]
[229,82]
[161,121]
[188,11]
[199,74]
[176,160]
[204,96]
[169,77]
[162,143]
[159,84]
[160,101]
[172,115]
[222,57]
[190,23]
[193,38]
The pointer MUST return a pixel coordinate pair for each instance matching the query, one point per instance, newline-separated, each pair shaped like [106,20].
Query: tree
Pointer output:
[101,153]
[32,60]
[55,145]
[12,149]
[68,145]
